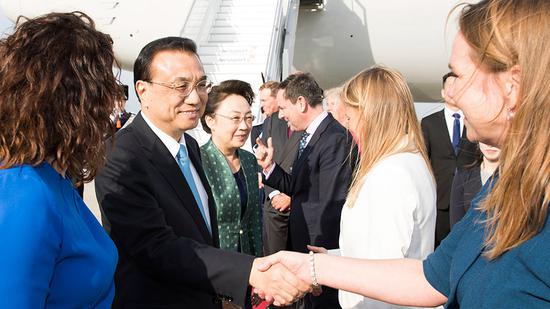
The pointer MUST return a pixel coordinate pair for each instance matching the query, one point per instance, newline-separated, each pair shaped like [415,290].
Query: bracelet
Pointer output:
[312,269]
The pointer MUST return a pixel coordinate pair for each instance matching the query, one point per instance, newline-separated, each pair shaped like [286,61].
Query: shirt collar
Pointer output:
[449,113]
[316,123]
[170,143]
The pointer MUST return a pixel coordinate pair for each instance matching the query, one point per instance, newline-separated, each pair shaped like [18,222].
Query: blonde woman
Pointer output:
[391,207]
[498,255]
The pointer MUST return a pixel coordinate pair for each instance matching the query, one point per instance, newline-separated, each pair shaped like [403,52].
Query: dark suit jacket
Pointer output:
[318,186]
[444,162]
[167,258]
[286,151]
[254,133]
[466,185]
[277,129]
[442,156]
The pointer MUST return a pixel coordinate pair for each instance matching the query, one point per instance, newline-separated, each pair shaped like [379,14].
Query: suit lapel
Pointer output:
[162,160]
[463,140]
[291,145]
[279,127]
[445,132]
[311,145]
[194,154]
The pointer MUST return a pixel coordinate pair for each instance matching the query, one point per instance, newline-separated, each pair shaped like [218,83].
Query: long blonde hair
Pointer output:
[386,116]
[503,34]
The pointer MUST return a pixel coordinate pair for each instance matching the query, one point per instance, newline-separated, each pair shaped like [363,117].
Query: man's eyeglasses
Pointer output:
[185,88]
[238,119]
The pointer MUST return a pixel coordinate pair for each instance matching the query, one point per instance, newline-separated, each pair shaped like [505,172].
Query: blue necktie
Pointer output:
[456,132]
[303,143]
[183,161]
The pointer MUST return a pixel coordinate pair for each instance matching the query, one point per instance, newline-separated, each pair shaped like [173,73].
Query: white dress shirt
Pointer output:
[314,125]
[311,130]
[450,120]
[174,147]
[393,217]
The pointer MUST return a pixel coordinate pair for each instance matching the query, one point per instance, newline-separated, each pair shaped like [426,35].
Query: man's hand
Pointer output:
[264,154]
[281,202]
[317,249]
[276,283]
[297,263]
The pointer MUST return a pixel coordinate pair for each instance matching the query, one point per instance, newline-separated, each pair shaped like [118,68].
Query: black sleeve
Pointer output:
[266,130]
[280,180]
[426,132]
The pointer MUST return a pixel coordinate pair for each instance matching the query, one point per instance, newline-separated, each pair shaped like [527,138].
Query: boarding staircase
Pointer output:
[241,39]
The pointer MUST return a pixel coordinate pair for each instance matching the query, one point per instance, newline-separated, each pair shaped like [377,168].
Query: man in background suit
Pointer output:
[277,204]
[448,148]
[320,177]
[157,203]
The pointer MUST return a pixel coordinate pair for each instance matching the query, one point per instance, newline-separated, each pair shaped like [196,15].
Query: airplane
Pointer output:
[260,40]
[332,39]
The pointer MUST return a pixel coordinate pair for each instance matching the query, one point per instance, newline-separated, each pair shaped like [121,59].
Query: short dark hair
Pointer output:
[304,85]
[271,85]
[222,91]
[142,65]
[284,83]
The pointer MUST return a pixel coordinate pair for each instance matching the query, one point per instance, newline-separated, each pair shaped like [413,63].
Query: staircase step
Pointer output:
[212,49]
[241,68]
[230,58]
[240,31]
[257,38]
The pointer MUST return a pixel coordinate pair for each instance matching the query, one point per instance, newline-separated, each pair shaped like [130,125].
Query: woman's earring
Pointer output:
[509,114]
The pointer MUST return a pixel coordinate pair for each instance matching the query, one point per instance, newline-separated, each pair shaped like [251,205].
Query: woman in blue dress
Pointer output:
[57,90]
[498,255]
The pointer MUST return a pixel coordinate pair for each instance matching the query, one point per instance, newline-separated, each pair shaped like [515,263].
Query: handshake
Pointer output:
[285,277]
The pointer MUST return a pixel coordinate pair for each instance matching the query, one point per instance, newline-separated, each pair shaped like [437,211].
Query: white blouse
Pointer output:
[393,217]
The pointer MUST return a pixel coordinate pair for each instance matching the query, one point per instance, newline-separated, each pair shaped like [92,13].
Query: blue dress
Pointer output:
[53,252]
[520,278]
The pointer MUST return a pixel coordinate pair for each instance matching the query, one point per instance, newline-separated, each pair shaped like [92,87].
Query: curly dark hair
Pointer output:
[57,91]
[222,91]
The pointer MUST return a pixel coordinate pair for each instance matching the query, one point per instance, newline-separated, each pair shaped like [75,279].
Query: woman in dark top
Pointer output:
[231,171]
[468,181]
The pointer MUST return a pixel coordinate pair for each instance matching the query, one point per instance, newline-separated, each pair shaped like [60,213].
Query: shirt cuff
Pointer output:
[273,193]
[267,172]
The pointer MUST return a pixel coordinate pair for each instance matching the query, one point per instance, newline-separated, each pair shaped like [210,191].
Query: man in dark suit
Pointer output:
[320,177]
[277,204]
[448,148]
[156,200]
[268,106]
